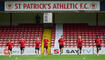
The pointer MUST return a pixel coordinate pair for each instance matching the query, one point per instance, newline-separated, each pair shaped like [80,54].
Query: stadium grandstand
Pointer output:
[67,29]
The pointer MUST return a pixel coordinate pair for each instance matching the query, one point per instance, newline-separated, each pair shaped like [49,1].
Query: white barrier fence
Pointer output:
[85,50]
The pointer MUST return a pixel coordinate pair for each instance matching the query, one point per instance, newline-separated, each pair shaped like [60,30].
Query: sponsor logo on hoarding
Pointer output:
[76,51]
[15,52]
[71,51]
[56,51]
[5,51]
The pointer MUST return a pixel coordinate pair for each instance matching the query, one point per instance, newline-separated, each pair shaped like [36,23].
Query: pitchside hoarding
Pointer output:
[16,51]
[52,5]
[66,51]
[73,51]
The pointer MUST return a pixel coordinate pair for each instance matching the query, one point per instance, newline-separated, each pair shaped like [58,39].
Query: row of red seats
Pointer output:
[88,33]
[15,33]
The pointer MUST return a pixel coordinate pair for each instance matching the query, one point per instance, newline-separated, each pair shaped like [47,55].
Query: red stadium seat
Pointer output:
[88,33]
[29,32]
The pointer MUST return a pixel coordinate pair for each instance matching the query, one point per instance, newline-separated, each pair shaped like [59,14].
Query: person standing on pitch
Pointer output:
[37,47]
[79,45]
[46,41]
[22,45]
[10,45]
[98,44]
[61,44]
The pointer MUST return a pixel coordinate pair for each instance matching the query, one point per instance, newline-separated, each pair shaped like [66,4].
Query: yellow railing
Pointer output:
[48,34]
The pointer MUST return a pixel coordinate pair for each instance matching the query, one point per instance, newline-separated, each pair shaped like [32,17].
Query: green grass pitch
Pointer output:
[53,57]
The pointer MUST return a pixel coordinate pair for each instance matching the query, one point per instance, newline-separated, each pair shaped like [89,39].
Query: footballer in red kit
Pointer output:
[79,45]
[98,44]
[61,44]
[22,45]
[10,46]
[46,41]
[37,46]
